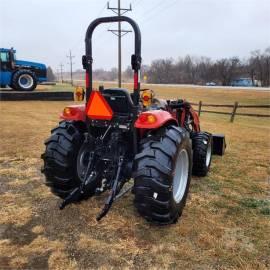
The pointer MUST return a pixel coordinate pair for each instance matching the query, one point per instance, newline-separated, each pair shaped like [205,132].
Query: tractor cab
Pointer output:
[7,59]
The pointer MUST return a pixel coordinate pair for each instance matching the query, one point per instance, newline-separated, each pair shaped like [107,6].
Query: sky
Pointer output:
[45,30]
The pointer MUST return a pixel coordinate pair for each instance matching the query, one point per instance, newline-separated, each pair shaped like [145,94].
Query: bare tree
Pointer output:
[161,71]
[200,70]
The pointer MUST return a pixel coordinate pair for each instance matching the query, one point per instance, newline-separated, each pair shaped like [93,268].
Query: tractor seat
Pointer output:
[119,100]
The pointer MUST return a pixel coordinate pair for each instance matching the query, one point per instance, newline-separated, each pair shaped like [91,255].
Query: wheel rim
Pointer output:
[208,154]
[82,161]
[25,81]
[180,176]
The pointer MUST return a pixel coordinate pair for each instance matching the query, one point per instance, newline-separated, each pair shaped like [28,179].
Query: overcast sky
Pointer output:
[45,30]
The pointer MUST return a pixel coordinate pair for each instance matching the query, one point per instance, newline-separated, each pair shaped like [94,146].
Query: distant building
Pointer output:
[246,82]
[210,84]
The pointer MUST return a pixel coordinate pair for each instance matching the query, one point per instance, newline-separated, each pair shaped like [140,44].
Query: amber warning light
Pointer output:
[98,108]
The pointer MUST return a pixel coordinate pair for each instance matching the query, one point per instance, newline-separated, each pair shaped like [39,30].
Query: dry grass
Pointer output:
[225,224]
[193,94]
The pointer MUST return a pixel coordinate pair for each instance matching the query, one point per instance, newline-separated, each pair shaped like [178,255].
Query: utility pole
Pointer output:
[119,33]
[70,56]
[61,70]
[57,75]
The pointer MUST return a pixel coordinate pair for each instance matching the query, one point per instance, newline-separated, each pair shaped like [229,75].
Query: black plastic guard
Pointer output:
[219,144]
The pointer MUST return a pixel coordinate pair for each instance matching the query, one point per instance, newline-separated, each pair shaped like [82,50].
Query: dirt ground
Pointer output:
[225,225]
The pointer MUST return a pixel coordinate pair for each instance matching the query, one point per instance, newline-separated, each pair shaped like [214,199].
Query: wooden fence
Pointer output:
[234,108]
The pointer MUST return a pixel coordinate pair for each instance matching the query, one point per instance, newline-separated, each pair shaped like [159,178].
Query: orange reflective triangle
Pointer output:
[98,108]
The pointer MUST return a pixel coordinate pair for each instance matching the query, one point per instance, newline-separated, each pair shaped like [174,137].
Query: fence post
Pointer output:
[200,107]
[234,111]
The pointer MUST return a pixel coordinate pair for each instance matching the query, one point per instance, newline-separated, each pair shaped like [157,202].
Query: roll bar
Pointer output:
[136,59]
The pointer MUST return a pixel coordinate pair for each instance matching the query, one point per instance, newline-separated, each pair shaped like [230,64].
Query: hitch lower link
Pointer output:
[113,191]
[77,193]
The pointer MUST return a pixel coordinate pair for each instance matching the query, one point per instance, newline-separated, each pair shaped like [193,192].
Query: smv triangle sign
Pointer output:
[98,108]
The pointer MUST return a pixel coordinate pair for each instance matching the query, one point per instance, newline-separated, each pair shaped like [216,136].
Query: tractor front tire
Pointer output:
[202,152]
[61,158]
[162,175]
[24,80]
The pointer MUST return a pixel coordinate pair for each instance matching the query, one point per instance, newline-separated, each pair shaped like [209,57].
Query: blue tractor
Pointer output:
[18,74]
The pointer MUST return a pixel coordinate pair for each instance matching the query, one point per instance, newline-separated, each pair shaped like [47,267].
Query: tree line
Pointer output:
[196,70]
[200,70]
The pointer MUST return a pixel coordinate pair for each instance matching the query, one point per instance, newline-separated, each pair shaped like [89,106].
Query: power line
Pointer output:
[164,8]
[101,11]
[134,1]
[79,42]
[137,3]
[70,56]
[153,9]
[119,33]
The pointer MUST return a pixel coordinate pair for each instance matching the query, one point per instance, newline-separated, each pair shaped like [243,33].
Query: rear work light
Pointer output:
[146,98]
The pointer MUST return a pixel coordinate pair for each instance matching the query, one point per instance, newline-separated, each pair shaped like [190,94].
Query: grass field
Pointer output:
[225,225]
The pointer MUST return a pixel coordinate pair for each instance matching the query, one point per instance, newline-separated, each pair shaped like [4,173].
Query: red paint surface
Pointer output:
[136,80]
[78,113]
[162,117]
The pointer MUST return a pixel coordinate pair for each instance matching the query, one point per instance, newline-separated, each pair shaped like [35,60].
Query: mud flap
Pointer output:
[219,144]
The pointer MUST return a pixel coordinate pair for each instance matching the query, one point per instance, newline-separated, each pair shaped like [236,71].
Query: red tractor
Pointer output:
[118,135]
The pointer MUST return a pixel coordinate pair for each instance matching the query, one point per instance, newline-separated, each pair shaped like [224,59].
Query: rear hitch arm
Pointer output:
[78,192]
[113,191]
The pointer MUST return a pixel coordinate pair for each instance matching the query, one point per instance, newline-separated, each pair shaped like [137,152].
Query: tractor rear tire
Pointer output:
[162,175]
[24,80]
[61,158]
[12,86]
[202,145]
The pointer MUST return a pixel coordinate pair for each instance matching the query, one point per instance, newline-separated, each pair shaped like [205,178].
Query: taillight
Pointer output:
[68,111]
[147,118]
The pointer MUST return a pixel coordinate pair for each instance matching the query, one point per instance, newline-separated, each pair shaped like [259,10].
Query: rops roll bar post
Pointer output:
[136,59]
